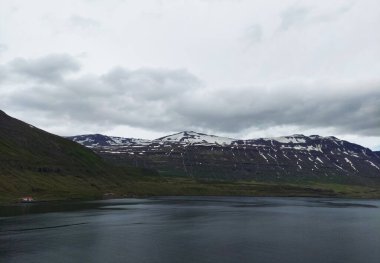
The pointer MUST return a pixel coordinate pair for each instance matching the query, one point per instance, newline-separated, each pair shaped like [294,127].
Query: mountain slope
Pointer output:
[36,162]
[29,148]
[207,156]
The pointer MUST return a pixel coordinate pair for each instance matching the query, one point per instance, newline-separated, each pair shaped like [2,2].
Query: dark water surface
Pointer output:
[193,229]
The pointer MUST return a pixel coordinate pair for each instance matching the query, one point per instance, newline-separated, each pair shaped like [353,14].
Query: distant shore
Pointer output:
[151,187]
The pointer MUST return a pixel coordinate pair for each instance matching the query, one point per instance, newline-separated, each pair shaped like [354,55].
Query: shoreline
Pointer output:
[69,200]
[148,187]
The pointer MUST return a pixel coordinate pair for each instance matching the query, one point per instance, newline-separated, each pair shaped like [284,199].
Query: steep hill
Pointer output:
[26,147]
[41,164]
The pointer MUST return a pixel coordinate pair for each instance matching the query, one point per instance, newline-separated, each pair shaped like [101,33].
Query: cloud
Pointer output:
[253,34]
[3,48]
[167,100]
[293,16]
[150,84]
[51,68]
[83,22]
[142,98]
[298,15]
[320,105]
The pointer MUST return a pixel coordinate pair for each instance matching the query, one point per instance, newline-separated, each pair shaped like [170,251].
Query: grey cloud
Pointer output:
[348,110]
[167,100]
[331,16]
[3,73]
[293,16]
[253,34]
[3,48]
[51,67]
[83,22]
[152,15]
[298,16]
[139,98]
[151,84]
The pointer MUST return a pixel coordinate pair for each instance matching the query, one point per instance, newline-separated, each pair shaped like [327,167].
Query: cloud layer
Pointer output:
[237,68]
[54,89]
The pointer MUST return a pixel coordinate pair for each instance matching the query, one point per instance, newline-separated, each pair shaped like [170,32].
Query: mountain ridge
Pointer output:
[209,156]
[191,137]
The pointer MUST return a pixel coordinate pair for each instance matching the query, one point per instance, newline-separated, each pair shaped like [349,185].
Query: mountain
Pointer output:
[46,166]
[191,137]
[185,137]
[98,140]
[199,155]
[41,164]
[35,162]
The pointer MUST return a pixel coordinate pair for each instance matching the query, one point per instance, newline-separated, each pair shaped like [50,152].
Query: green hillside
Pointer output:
[28,148]
[46,166]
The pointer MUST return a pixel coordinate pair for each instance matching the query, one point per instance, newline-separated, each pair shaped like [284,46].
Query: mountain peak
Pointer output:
[196,137]
[298,135]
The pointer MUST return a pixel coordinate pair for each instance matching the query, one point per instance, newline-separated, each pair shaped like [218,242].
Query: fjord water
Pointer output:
[193,229]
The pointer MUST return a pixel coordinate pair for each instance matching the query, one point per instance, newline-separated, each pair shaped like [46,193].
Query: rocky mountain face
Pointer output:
[207,156]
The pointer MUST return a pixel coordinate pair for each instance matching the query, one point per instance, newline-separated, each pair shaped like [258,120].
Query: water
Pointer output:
[193,229]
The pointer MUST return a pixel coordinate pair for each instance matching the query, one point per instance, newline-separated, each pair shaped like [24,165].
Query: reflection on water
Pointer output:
[193,229]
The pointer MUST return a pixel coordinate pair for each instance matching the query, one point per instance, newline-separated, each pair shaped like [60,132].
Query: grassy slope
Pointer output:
[34,162]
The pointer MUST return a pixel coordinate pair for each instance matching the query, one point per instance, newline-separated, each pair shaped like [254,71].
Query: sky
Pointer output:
[236,68]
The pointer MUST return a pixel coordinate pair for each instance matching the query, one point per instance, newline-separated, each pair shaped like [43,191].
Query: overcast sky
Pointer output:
[147,68]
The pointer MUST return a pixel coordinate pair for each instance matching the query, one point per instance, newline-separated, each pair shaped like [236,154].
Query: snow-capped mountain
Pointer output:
[191,137]
[209,156]
[98,140]
[183,138]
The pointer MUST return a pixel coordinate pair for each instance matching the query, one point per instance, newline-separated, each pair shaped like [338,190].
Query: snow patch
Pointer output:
[348,161]
[262,155]
[319,160]
[286,139]
[374,165]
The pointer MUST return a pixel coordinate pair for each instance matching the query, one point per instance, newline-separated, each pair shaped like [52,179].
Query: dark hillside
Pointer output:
[26,147]
[41,164]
